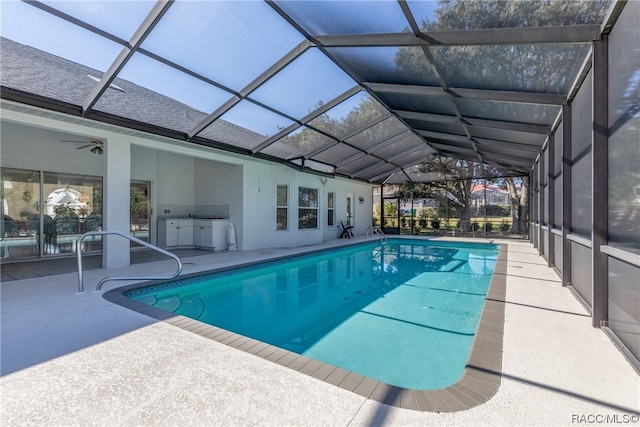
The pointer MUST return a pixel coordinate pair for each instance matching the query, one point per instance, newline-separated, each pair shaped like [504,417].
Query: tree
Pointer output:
[524,67]
[390,210]
[478,14]
[519,202]
[529,65]
[454,189]
[305,140]
[454,192]
[547,68]
[139,204]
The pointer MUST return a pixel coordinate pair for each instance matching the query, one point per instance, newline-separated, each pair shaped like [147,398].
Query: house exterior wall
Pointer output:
[217,189]
[27,147]
[184,177]
[259,201]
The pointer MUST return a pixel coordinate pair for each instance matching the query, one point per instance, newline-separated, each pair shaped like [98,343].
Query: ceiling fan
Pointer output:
[97,145]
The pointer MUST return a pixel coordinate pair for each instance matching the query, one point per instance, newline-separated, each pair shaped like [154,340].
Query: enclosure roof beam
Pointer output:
[483,94]
[145,28]
[471,37]
[257,82]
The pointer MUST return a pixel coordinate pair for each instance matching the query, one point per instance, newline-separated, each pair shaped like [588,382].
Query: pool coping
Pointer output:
[479,382]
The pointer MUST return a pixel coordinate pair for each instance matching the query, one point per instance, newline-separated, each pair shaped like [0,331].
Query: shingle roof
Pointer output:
[33,71]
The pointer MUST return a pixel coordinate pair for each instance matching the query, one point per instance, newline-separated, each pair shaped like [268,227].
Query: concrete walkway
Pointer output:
[76,359]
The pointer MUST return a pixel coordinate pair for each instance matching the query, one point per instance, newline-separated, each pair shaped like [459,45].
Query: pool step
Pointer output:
[148,299]
[170,303]
[190,306]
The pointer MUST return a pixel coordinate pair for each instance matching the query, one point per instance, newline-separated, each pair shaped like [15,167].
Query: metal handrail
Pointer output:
[378,231]
[133,239]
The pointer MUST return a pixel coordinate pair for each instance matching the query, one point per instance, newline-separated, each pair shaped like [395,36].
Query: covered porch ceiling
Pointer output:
[366,90]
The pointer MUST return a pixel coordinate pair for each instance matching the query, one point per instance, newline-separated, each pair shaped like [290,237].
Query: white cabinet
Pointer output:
[174,233]
[185,232]
[203,234]
[209,234]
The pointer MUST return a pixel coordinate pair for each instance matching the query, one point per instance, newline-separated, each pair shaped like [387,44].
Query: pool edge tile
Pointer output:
[438,400]
[408,399]
[351,381]
[388,394]
[423,401]
[466,401]
[310,367]
[366,387]
[299,362]
[287,359]
[323,371]
[337,376]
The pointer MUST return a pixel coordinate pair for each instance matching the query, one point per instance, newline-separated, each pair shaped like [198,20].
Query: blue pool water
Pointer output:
[404,313]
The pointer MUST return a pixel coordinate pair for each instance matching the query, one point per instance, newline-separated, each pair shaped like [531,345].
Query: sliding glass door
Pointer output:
[44,213]
[21,229]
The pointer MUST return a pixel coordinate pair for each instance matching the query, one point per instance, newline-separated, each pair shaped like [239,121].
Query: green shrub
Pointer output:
[428,213]
[498,210]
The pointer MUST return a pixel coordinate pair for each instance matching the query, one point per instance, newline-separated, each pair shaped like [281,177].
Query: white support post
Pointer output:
[117,182]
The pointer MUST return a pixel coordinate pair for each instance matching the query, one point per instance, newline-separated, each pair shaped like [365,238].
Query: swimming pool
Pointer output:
[404,313]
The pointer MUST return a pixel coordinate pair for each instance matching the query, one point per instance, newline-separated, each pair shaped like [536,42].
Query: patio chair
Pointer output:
[347,232]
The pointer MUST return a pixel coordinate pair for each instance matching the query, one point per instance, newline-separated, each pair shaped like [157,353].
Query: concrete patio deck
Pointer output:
[77,359]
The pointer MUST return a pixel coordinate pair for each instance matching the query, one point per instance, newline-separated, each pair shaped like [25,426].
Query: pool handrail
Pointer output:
[133,239]
[375,229]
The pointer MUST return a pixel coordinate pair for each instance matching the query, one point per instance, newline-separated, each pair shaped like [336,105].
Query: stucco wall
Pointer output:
[189,176]
[36,148]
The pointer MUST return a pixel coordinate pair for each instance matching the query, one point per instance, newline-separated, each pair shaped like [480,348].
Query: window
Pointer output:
[307,208]
[282,207]
[331,218]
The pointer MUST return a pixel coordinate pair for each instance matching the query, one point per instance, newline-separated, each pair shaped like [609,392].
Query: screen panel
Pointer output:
[624,131]
[581,171]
